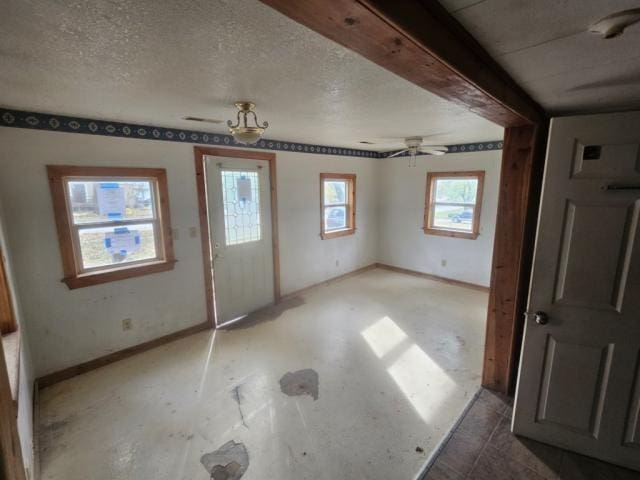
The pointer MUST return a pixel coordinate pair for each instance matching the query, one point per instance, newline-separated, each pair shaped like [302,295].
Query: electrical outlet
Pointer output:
[443,262]
[193,232]
[175,233]
[127,324]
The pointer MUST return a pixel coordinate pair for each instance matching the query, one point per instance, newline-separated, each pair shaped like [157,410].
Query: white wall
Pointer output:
[404,244]
[306,259]
[68,327]
[25,387]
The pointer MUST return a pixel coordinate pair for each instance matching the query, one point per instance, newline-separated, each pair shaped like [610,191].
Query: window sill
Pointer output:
[337,233]
[11,347]
[451,233]
[115,274]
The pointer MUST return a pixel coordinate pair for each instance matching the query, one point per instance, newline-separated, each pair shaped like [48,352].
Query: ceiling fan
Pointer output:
[415,146]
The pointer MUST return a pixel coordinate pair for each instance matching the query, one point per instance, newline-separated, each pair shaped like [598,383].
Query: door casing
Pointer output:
[203,210]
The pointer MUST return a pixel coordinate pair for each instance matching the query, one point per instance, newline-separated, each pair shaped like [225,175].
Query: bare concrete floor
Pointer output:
[344,382]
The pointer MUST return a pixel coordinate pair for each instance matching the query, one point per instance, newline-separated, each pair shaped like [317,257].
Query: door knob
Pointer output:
[541,318]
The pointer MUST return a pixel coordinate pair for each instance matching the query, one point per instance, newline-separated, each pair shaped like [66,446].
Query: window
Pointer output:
[113,223]
[241,200]
[453,202]
[337,204]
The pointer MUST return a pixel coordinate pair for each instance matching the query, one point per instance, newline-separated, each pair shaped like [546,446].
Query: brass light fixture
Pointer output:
[241,131]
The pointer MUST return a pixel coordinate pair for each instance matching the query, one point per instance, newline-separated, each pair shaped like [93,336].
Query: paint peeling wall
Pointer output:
[404,244]
[25,387]
[68,327]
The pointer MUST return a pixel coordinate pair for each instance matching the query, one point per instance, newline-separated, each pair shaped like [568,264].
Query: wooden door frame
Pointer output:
[203,209]
[11,462]
[420,41]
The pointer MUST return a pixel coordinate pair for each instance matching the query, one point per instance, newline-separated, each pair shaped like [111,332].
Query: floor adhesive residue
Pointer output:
[229,462]
[301,382]
[266,314]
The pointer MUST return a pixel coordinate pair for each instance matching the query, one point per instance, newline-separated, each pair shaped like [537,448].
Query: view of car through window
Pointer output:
[335,201]
[337,204]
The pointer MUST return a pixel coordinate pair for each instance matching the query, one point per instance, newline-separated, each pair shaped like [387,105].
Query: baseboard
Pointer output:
[358,271]
[55,377]
[436,278]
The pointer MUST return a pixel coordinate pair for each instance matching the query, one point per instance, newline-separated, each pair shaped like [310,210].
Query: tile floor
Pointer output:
[396,358]
[483,448]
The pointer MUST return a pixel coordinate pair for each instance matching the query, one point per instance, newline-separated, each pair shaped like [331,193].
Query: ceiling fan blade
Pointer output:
[204,120]
[398,153]
[434,149]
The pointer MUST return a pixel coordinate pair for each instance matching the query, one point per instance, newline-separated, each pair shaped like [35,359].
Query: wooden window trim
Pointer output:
[73,276]
[351,205]
[430,202]
[8,322]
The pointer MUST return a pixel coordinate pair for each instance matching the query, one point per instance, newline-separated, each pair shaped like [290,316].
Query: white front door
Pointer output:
[238,193]
[579,380]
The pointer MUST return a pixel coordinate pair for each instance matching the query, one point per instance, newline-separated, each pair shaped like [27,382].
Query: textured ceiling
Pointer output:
[546,47]
[156,61]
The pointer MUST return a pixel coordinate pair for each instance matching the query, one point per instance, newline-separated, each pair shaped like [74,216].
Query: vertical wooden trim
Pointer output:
[512,254]
[165,215]
[7,314]
[205,237]
[11,463]
[63,224]
[205,240]
[275,239]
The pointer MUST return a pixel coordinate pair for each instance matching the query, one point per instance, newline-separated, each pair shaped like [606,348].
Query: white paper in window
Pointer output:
[111,202]
[122,241]
[244,189]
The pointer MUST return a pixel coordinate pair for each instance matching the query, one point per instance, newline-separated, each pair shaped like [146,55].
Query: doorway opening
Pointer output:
[237,202]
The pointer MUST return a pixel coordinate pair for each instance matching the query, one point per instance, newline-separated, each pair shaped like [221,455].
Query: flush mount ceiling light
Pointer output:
[613,25]
[242,131]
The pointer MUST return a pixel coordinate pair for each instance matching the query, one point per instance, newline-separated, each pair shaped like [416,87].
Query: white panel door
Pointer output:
[241,242]
[579,380]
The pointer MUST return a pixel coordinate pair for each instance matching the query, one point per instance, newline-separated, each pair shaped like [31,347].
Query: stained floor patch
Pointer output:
[229,462]
[266,314]
[301,382]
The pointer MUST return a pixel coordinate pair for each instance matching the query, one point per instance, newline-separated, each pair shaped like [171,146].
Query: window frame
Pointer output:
[430,204]
[75,275]
[8,323]
[350,205]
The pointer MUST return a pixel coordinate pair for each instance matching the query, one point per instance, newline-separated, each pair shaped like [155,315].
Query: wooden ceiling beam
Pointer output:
[421,42]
